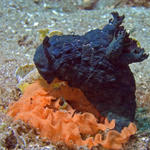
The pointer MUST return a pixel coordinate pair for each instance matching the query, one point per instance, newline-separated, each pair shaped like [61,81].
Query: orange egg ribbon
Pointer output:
[52,110]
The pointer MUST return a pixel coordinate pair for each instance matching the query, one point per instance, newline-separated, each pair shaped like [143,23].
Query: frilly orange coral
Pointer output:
[44,107]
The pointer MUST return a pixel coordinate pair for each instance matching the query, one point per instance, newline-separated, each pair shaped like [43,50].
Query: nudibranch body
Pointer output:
[97,63]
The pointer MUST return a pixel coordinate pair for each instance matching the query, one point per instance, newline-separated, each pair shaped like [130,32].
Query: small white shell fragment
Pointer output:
[22,71]
[25,75]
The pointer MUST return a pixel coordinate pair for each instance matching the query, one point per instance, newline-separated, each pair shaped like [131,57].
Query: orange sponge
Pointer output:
[51,109]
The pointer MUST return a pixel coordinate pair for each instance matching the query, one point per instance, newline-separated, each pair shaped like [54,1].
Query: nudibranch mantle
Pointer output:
[98,64]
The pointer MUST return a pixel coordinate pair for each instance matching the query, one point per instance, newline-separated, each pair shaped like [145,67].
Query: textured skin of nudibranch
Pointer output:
[97,63]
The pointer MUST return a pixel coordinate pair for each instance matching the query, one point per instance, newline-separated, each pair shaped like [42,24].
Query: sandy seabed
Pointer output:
[20,22]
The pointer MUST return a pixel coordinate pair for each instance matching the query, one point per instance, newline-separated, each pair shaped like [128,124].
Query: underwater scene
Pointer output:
[74,74]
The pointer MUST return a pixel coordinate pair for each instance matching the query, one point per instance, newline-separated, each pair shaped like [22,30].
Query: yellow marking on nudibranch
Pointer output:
[43,33]
[137,42]
[58,85]
[59,33]
[46,32]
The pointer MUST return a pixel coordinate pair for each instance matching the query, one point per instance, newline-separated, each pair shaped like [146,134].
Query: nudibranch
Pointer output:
[98,64]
